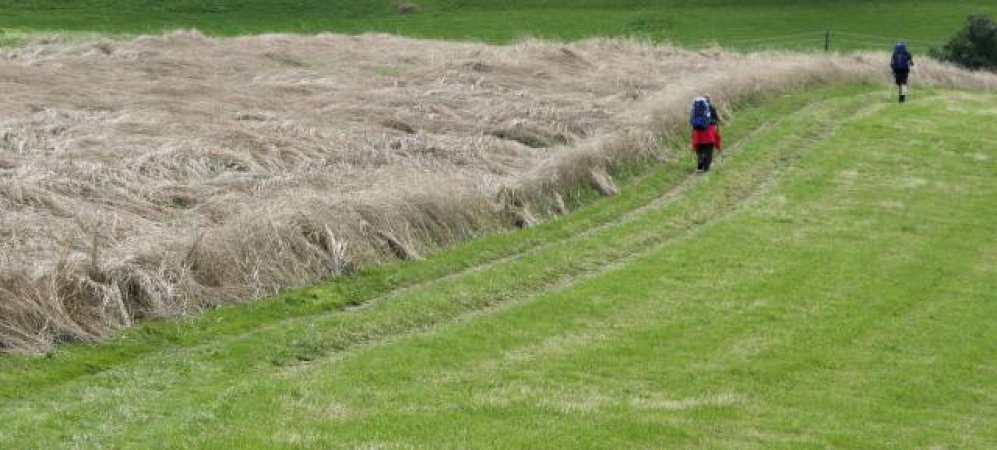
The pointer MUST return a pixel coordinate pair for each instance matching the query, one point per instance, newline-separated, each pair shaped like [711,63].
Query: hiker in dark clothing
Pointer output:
[705,137]
[901,62]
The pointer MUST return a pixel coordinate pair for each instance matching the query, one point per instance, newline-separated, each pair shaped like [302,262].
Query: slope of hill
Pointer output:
[798,25]
[830,284]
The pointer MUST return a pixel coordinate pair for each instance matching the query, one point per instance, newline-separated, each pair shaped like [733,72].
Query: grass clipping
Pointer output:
[164,175]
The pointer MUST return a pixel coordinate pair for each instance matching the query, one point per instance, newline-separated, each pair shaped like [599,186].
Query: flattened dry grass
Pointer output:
[192,172]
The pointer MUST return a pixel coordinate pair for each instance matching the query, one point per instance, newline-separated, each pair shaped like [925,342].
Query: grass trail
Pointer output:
[24,375]
[829,285]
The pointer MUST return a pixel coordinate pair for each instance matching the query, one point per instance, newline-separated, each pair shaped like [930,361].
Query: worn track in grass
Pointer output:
[647,193]
[270,349]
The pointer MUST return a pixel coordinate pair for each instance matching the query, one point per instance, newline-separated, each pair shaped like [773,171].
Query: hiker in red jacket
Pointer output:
[705,136]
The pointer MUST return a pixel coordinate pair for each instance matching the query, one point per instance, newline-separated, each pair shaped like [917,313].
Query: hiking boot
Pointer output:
[903,98]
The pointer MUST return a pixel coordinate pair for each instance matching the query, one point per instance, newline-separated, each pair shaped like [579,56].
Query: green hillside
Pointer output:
[830,284]
[733,23]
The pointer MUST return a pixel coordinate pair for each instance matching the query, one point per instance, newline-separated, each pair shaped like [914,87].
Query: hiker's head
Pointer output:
[901,46]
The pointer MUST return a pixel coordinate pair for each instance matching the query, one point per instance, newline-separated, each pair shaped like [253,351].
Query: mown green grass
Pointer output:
[831,284]
[740,24]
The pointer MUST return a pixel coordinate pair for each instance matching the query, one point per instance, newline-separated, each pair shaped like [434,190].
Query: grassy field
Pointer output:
[741,24]
[830,284]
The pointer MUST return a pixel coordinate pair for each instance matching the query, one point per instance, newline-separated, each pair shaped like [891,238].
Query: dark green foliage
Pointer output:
[974,46]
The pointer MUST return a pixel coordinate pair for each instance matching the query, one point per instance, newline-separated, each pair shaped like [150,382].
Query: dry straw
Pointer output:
[160,176]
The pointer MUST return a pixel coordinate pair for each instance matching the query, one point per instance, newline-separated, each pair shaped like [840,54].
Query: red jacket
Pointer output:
[708,136]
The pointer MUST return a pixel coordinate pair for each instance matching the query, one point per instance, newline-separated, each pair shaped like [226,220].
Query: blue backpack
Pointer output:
[901,59]
[700,117]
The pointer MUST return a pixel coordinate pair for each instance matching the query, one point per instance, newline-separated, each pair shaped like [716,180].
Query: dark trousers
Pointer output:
[704,156]
[900,76]
[901,79]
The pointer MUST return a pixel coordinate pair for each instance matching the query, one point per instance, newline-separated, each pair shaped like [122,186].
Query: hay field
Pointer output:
[164,175]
